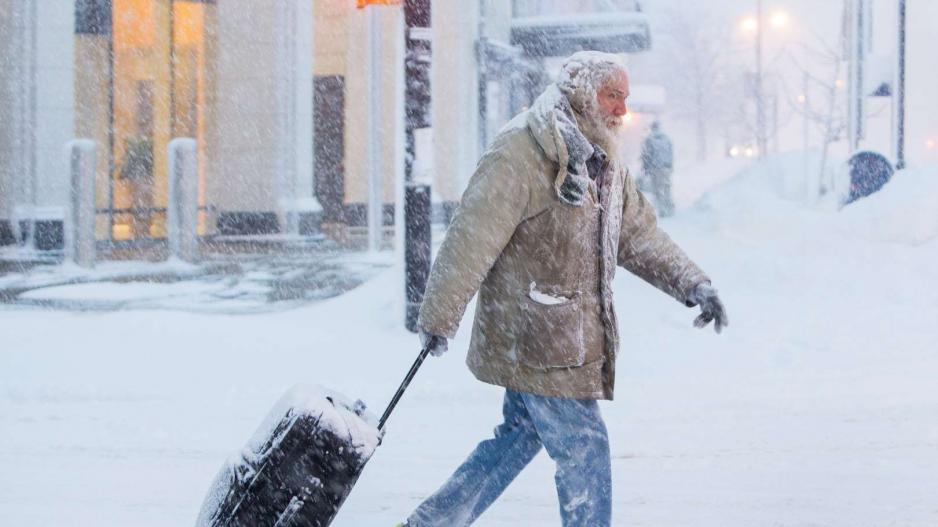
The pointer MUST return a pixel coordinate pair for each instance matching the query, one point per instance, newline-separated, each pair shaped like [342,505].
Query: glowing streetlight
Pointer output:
[753,24]
[931,144]
[779,20]
[802,98]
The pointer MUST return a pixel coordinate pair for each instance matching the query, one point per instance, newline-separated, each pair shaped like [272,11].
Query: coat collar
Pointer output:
[542,120]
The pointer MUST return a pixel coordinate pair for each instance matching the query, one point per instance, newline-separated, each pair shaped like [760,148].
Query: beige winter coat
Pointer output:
[544,320]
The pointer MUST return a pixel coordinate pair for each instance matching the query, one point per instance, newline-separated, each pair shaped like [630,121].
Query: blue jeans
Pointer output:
[572,431]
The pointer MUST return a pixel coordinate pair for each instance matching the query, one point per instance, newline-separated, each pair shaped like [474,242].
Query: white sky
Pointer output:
[809,20]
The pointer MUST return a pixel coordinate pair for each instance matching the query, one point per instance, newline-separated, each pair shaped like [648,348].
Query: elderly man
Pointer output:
[545,219]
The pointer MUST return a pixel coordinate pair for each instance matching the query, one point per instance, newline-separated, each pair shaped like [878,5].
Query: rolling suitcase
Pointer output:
[302,462]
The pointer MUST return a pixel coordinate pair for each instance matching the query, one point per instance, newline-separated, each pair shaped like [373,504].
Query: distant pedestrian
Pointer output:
[657,166]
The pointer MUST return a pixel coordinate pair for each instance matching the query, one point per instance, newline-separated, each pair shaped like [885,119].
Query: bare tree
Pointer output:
[823,101]
[697,56]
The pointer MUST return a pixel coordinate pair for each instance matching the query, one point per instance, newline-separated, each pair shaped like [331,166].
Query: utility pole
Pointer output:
[810,189]
[375,143]
[900,91]
[857,54]
[761,139]
[417,203]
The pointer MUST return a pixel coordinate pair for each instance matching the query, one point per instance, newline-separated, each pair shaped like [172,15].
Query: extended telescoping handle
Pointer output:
[400,391]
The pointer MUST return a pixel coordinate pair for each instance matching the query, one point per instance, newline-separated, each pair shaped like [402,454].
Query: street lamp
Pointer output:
[753,24]
[779,20]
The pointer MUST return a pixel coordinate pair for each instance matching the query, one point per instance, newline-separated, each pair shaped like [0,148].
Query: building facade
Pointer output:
[276,94]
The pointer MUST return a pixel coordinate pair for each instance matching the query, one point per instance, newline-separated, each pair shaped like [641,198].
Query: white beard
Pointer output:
[603,131]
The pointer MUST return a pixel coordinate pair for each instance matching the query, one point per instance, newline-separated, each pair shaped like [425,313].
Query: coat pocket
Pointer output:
[551,335]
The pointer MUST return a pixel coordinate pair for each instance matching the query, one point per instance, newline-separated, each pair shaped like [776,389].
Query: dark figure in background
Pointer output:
[657,166]
[869,171]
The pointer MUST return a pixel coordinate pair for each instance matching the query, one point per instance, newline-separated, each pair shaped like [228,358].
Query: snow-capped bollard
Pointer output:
[82,163]
[182,211]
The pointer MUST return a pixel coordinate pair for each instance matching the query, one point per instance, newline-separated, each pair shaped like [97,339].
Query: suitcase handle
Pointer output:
[400,391]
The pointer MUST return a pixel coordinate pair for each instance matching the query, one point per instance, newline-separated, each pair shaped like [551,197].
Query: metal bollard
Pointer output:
[82,164]
[182,210]
[417,237]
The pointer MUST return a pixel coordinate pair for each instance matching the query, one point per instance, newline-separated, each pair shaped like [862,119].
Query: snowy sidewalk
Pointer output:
[817,407]
[240,283]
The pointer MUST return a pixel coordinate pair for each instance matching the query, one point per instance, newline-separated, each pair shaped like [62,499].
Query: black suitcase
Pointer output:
[301,464]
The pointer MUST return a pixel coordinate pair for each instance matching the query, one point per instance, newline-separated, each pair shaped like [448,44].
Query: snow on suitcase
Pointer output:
[302,462]
[298,468]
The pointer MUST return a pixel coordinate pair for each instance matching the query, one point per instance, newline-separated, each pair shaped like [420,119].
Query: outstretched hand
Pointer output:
[711,308]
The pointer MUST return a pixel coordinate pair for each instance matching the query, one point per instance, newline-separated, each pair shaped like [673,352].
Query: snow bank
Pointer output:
[770,199]
[750,203]
[692,181]
[790,176]
[904,211]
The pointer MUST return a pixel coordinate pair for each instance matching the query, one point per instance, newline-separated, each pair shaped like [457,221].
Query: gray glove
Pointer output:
[579,150]
[573,189]
[435,343]
[711,308]
[575,185]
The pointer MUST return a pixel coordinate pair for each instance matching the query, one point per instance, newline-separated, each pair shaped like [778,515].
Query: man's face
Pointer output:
[611,101]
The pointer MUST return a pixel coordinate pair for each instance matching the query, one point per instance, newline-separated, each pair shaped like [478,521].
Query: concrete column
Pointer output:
[81,237]
[92,102]
[182,211]
[263,136]
[36,107]
[6,138]
[294,74]
[17,133]
[454,84]
[53,99]
[358,120]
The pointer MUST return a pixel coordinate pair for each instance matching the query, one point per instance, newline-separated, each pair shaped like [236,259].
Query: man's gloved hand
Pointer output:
[436,343]
[711,308]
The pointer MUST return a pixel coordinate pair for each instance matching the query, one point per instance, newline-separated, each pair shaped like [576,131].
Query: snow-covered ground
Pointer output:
[817,407]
